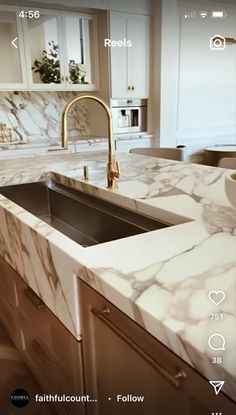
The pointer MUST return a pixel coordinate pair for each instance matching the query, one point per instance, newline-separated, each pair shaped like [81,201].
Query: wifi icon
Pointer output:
[203,14]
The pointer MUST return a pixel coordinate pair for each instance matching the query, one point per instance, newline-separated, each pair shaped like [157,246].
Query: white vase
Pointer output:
[230,188]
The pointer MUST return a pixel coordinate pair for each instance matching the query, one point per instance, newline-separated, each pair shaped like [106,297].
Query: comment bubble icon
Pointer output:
[216,342]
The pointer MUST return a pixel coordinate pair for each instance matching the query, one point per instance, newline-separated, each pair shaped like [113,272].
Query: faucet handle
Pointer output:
[113,174]
[117,169]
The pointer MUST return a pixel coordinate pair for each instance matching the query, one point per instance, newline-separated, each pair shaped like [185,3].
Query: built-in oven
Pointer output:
[129,115]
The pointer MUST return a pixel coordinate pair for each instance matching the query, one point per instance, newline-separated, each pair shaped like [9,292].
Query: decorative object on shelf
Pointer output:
[49,68]
[6,135]
[77,75]
[230,187]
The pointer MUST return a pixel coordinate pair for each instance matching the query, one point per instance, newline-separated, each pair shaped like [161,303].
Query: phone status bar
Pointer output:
[203,14]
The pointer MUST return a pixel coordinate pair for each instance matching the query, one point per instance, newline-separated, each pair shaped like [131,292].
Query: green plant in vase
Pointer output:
[77,75]
[49,67]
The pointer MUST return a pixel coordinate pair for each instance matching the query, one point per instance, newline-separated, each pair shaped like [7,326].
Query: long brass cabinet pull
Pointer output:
[173,379]
[41,353]
[34,299]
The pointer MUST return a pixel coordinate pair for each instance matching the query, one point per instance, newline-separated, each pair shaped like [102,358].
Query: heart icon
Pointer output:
[216,297]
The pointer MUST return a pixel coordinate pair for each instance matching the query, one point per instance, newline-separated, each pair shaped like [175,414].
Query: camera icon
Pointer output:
[217,42]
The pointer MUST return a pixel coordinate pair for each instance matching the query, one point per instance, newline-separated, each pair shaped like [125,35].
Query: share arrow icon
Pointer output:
[217,385]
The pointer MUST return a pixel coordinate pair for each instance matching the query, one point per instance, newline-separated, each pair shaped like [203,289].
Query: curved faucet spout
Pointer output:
[113,172]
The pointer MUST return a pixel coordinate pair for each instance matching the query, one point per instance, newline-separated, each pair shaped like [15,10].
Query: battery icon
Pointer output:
[219,14]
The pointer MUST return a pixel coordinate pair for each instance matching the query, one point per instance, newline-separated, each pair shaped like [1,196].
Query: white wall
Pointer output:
[198,85]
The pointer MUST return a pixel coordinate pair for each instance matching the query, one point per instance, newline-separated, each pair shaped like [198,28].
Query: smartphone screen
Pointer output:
[118,284]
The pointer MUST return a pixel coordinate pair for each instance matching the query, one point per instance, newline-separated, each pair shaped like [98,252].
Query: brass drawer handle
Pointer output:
[173,379]
[34,299]
[180,374]
[105,311]
[86,172]
[43,356]
[57,149]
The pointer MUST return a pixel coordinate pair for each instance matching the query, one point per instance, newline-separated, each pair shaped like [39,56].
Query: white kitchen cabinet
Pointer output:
[12,61]
[56,150]
[33,151]
[54,50]
[85,146]
[124,145]
[70,42]
[120,145]
[139,6]
[122,359]
[94,4]
[130,65]
[17,153]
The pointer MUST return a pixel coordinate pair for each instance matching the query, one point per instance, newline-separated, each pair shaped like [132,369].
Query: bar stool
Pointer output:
[227,162]
[170,153]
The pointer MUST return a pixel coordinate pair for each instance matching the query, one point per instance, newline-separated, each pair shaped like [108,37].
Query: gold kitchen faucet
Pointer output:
[113,171]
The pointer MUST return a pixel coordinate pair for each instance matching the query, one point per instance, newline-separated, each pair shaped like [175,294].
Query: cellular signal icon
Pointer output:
[190,15]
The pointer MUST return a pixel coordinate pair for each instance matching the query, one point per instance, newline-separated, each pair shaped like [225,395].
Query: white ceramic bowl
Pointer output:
[230,187]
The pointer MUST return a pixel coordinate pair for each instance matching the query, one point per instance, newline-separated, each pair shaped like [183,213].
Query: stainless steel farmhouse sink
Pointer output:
[83,218]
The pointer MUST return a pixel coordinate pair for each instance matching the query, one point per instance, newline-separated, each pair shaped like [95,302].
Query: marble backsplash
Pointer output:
[35,116]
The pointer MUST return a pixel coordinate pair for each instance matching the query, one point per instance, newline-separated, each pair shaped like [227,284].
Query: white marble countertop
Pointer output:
[161,279]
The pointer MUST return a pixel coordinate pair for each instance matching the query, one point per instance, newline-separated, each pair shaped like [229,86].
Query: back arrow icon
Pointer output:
[13,42]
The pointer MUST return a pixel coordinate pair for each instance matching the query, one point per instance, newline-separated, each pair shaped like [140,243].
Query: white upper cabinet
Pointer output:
[130,64]
[59,51]
[56,50]
[95,4]
[43,49]
[137,6]
[12,73]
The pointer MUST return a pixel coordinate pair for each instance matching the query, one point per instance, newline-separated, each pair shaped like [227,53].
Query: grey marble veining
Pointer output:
[161,279]
[35,116]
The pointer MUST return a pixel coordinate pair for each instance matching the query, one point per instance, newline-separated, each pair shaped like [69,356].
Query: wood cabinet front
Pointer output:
[128,371]
[53,355]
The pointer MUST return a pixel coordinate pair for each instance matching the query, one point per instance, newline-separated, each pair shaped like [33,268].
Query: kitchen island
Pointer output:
[160,279]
